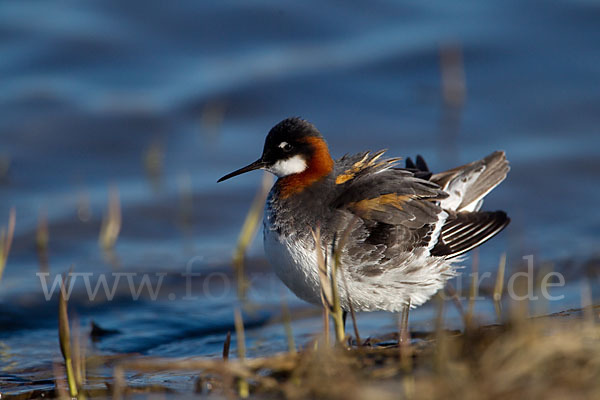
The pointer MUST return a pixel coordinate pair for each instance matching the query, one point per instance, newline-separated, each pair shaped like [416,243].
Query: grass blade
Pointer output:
[6,238]
[64,337]
[111,224]
[248,232]
[244,388]
[499,287]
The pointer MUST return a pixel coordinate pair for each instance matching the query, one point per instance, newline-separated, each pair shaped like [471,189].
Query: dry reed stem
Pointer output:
[287,323]
[42,238]
[64,336]
[111,224]
[227,346]
[6,238]
[244,389]
[499,287]
[248,232]
[473,291]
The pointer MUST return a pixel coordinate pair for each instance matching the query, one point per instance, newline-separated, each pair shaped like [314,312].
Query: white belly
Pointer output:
[295,263]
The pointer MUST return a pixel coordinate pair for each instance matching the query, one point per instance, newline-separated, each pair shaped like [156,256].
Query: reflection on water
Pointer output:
[159,102]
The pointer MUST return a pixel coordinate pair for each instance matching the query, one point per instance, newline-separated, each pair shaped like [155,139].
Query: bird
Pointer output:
[406,228]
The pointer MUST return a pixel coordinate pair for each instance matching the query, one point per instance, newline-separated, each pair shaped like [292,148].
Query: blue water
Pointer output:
[87,88]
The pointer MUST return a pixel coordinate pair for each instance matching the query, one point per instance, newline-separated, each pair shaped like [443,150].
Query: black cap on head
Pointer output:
[288,138]
[293,127]
[285,140]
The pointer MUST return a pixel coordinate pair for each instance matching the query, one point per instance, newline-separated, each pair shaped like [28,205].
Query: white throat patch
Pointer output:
[293,165]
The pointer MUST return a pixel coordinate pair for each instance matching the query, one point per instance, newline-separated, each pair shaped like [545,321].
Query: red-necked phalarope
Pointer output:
[407,225]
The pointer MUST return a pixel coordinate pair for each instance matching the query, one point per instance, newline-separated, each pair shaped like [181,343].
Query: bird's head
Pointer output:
[293,148]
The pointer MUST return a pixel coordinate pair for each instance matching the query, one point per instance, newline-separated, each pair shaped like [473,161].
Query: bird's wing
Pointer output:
[387,215]
[375,191]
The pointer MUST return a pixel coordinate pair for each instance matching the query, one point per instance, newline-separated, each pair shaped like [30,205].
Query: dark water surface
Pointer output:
[91,91]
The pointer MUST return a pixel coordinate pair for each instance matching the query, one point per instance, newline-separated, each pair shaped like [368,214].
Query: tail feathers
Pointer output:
[467,185]
[466,230]
[420,169]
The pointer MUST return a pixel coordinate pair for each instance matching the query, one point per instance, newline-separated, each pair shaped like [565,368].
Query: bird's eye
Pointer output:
[285,146]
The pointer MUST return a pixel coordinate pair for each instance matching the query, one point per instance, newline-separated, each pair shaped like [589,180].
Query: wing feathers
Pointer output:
[402,211]
[467,231]
[468,184]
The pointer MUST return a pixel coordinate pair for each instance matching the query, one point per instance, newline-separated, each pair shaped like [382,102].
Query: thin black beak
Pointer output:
[258,164]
